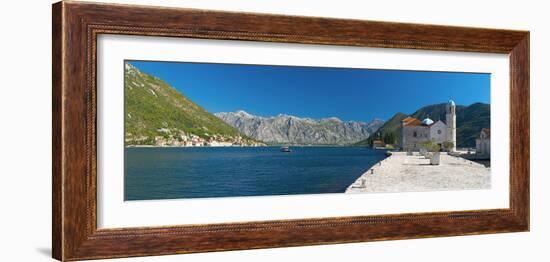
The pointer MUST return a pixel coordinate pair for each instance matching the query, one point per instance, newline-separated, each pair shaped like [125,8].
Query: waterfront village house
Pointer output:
[415,132]
[378,144]
[483,143]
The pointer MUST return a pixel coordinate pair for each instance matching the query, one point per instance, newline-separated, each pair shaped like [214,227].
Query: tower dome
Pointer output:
[427,121]
[451,102]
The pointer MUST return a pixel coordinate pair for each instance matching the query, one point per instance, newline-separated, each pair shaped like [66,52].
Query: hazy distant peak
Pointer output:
[243,113]
[377,120]
[287,116]
[289,129]
[331,119]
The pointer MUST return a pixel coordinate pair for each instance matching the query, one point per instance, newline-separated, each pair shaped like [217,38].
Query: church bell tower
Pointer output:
[451,123]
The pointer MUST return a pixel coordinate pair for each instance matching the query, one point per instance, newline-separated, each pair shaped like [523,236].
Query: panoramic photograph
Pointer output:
[207,130]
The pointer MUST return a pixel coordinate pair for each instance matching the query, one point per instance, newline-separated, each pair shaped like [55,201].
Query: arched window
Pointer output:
[415,134]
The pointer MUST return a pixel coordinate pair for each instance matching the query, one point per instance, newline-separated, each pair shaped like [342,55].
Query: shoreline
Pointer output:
[155,146]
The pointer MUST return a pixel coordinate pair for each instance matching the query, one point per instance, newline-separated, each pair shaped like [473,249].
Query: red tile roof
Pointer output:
[411,121]
[408,119]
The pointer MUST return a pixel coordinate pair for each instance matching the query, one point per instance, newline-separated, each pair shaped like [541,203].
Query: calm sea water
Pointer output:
[170,173]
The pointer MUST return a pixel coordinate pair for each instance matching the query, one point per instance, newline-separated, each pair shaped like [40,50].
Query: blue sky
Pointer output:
[317,92]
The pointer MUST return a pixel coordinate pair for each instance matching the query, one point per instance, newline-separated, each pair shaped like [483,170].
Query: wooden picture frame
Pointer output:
[76,26]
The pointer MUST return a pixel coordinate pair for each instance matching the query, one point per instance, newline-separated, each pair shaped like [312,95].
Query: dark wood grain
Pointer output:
[519,129]
[57,190]
[76,26]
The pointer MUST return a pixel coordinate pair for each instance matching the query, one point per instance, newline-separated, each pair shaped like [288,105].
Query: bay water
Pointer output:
[204,172]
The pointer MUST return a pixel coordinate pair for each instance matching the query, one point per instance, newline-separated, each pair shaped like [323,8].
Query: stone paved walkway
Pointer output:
[402,173]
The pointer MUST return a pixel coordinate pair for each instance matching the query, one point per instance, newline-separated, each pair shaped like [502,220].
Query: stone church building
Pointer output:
[415,132]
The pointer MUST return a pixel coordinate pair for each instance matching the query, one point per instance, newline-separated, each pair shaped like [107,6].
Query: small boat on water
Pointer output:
[285,149]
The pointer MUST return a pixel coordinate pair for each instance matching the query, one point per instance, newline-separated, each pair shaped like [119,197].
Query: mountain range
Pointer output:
[287,129]
[469,121]
[158,114]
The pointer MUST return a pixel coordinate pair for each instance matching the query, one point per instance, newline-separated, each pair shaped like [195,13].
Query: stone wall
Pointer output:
[414,136]
[438,132]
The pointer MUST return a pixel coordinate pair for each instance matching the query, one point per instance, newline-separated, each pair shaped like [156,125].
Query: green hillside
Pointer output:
[469,121]
[156,111]
[390,129]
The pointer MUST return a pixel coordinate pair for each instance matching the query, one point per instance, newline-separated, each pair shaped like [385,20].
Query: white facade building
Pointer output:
[483,143]
[415,132]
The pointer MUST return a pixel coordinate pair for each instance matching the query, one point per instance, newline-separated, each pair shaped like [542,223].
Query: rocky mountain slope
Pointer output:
[286,129]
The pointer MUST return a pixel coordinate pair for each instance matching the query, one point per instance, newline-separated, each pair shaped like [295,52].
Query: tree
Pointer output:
[389,138]
[431,146]
[448,145]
